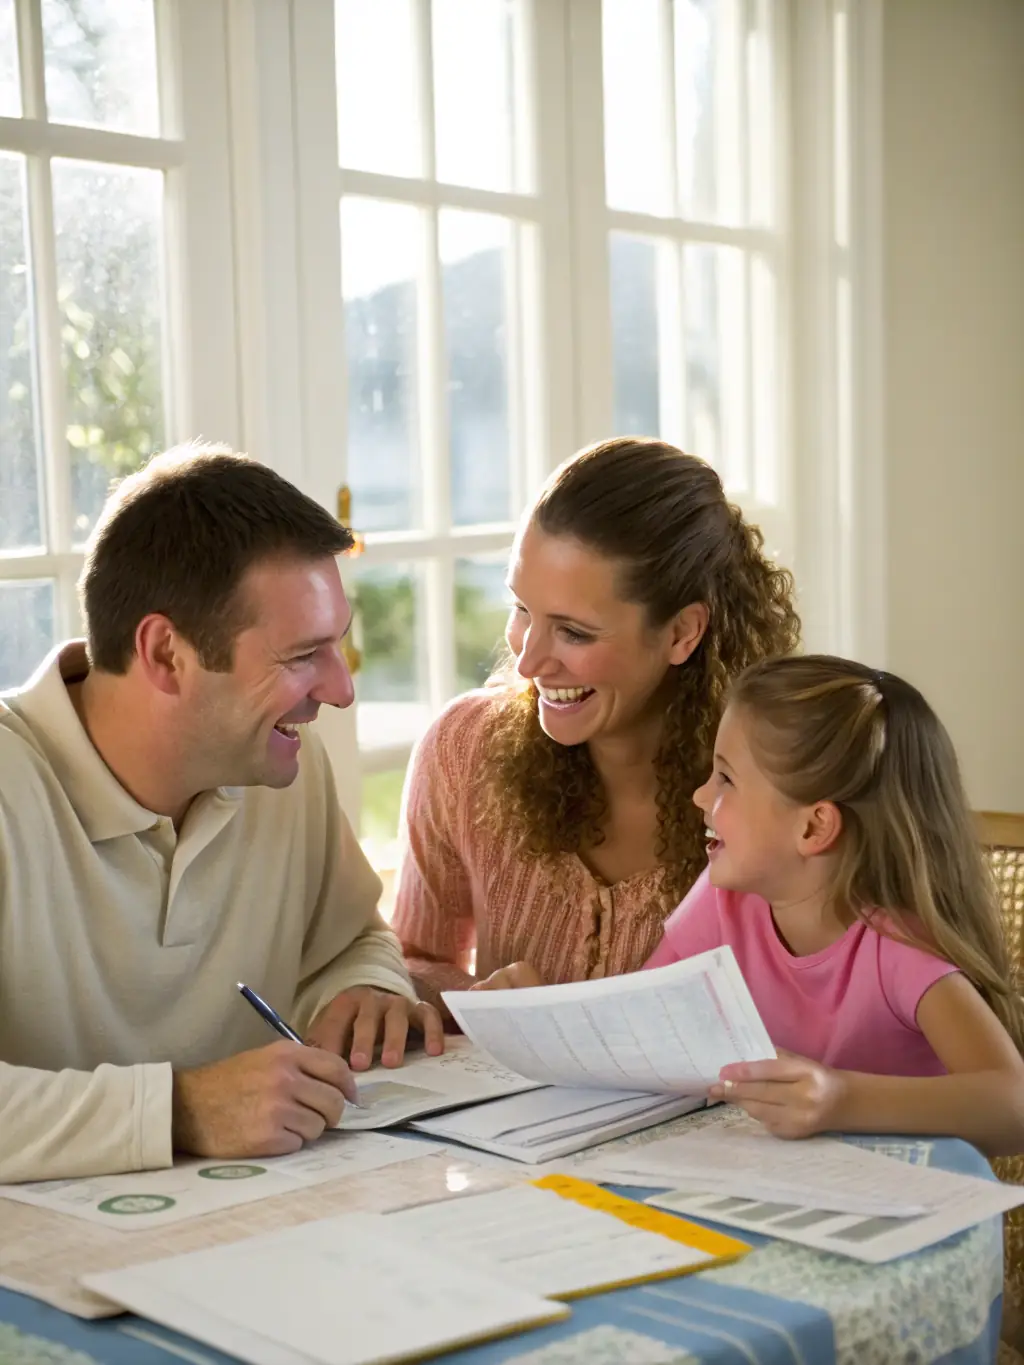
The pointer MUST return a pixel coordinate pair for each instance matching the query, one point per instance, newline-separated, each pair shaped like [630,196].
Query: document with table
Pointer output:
[668,1031]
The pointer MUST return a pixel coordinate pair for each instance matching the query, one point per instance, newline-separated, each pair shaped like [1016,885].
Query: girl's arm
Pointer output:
[982,1098]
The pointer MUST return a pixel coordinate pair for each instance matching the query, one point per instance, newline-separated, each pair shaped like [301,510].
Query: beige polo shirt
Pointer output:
[121,940]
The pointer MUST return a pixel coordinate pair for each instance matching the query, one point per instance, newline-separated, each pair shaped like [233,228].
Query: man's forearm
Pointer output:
[60,1124]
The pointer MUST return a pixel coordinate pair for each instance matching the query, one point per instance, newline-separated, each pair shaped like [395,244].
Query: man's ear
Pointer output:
[688,627]
[823,824]
[160,653]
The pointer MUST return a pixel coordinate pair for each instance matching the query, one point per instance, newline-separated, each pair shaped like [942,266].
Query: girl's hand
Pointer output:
[792,1096]
[512,978]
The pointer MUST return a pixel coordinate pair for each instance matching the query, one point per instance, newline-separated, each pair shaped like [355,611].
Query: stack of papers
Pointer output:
[343,1291]
[554,1122]
[459,1271]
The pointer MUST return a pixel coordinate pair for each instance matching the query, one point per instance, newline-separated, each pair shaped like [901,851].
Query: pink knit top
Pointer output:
[462,888]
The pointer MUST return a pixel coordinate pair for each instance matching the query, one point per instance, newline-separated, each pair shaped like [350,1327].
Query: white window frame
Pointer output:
[200,381]
[293,379]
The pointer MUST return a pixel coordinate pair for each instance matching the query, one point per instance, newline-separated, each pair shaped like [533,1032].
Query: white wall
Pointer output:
[954,373]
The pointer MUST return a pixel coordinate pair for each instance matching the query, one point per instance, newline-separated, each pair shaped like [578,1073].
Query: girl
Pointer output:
[845,875]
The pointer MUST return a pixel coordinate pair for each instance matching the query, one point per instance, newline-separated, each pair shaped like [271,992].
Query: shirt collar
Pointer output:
[104,808]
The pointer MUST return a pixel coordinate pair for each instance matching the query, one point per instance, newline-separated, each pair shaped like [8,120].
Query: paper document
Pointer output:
[342,1291]
[538,1240]
[555,1121]
[742,1159]
[192,1188]
[463,1074]
[947,1203]
[667,1031]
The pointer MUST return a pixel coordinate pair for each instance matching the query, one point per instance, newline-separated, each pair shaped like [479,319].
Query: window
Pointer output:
[693,218]
[93,372]
[441,228]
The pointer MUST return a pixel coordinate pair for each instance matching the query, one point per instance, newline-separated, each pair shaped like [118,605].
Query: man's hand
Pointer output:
[792,1096]
[260,1103]
[355,1019]
[513,978]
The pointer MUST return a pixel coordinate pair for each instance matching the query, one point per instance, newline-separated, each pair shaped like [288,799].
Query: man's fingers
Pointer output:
[325,1066]
[326,1101]
[396,1030]
[332,1029]
[364,1032]
[306,1122]
[429,1022]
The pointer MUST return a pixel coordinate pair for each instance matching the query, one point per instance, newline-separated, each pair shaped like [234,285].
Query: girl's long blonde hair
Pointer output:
[826,729]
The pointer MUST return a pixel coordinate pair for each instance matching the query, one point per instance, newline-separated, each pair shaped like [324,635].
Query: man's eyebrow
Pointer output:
[304,646]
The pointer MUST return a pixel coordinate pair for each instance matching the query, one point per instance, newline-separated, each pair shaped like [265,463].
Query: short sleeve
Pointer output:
[693,927]
[906,974]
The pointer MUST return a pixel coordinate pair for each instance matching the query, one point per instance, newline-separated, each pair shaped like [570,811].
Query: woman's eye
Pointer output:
[575,637]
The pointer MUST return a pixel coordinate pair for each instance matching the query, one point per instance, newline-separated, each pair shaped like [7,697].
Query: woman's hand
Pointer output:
[512,978]
[792,1096]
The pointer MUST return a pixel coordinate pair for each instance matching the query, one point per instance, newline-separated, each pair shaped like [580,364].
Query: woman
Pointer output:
[548,817]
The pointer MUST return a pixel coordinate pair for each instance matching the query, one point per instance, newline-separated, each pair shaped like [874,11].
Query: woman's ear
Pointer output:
[688,627]
[823,825]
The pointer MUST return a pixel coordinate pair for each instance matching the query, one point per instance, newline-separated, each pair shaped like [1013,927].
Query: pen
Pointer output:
[275,1021]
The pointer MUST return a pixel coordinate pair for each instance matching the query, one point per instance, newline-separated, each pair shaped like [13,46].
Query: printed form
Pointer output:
[667,1031]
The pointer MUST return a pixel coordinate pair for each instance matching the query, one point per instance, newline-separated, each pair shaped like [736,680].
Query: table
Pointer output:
[781,1305]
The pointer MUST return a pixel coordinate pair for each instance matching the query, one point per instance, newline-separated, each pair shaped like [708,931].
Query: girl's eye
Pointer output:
[722,778]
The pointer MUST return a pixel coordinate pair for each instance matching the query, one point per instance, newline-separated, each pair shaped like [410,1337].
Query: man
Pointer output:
[162,839]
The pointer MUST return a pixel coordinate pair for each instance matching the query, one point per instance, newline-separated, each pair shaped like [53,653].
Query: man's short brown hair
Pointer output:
[178,537]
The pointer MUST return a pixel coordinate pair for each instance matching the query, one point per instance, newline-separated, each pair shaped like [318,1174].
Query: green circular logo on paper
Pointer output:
[137,1203]
[232,1172]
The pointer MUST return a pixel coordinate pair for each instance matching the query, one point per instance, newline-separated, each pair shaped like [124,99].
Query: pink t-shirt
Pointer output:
[851,1006]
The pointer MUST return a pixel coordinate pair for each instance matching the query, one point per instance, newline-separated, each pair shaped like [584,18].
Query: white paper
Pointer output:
[555,1121]
[539,1241]
[951,1202]
[192,1188]
[667,1031]
[325,1292]
[463,1074]
[742,1159]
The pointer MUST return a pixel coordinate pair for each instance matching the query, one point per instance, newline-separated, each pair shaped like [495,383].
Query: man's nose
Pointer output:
[334,686]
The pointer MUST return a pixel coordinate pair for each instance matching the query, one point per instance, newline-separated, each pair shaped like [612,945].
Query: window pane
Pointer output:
[391,686]
[381,250]
[634,302]
[708,108]
[108,222]
[20,510]
[481,611]
[637,171]
[475,262]
[26,628]
[716,361]
[10,94]
[378,828]
[474,114]
[101,64]
[378,86]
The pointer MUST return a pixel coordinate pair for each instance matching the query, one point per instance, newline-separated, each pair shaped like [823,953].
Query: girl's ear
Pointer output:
[823,824]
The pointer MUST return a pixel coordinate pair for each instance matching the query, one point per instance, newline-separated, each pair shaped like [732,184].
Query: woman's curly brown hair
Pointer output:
[664,517]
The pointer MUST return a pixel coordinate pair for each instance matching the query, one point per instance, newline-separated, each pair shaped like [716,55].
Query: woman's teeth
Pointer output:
[564,693]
